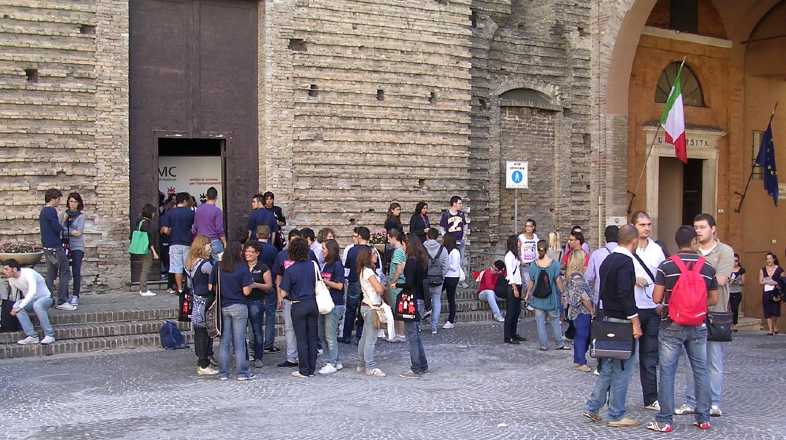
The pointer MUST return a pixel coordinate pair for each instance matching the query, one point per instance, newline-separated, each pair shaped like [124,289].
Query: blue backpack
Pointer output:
[171,337]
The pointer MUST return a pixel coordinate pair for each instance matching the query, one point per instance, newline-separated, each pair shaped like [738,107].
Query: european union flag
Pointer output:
[766,160]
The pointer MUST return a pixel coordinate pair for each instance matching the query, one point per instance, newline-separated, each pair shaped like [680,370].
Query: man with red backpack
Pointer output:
[686,285]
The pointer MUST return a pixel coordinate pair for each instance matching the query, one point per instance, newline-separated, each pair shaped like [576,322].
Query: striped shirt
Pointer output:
[668,273]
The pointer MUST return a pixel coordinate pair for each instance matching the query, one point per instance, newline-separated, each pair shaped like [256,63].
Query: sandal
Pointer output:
[659,427]
[375,372]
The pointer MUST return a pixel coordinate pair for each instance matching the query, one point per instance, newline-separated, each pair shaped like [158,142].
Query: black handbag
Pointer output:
[8,322]
[719,326]
[612,340]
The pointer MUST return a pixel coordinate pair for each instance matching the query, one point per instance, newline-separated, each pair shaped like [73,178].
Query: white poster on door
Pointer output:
[191,174]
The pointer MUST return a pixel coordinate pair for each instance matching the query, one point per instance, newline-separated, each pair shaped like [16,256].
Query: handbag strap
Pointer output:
[316,272]
[644,266]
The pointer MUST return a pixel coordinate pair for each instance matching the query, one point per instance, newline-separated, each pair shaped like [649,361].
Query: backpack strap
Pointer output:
[678,262]
[698,265]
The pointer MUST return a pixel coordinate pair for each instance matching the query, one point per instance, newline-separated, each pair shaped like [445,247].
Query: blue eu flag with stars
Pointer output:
[766,160]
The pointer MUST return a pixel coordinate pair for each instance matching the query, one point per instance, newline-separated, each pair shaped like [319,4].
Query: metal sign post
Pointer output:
[516,177]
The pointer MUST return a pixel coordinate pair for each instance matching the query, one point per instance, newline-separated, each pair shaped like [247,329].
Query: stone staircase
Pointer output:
[127,320]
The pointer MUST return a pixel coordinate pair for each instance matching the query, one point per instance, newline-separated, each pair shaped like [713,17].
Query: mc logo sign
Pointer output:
[167,172]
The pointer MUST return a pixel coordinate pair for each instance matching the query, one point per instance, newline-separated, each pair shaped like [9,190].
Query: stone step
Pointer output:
[749,324]
[94,330]
[84,345]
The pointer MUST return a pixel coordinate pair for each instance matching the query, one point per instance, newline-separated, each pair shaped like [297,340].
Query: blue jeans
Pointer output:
[216,248]
[368,340]
[41,307]
[328,331]
[255,308]
[581,341]
[715,353]
[613,381]
[354,295]
[269,302]
[490,297]
[289,333]
[76,271]
[672,338]
[233,333]
[436,305]
[540,319]
[417,354]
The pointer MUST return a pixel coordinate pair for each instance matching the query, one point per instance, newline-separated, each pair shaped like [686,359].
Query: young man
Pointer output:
[721,257]
[597,257]
[267,255]
[618,278]
[268,204]
[673,337]
[281,264]
[649,256]
[177,224]
[260,216]
[454,222]
[354,294]
[57,264]
[315,248]
[209,221]
[267,252]
[439,255]
[35,297]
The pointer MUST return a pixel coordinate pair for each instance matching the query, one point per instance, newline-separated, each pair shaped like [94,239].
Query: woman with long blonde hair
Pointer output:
[198,269]
[580,309]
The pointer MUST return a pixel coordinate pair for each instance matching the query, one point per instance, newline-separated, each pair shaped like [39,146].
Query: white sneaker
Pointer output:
[654,406]
[147,293]
[327,369]
[684,409]
[499,319]
[28,340]
[715,411]
[448,325]
[47,340]
[339,366]
[66,306]
[320,351]
[207,371]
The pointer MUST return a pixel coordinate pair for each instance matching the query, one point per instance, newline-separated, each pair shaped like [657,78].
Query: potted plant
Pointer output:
[27,253]
[378,239]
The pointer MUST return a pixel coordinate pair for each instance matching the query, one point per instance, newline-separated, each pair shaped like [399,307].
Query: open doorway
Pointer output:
[192,166]
[679,196]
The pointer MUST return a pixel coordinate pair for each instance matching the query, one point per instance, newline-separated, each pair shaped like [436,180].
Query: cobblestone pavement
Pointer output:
[479,388]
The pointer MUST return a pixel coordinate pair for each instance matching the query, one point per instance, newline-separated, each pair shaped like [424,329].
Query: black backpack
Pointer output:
[542,285]
[434,271]
[502,288]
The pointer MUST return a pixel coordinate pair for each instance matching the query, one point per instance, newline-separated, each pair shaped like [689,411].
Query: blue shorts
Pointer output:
[177,257]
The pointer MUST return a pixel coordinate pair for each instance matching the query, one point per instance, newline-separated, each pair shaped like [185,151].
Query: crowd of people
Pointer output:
[629,280]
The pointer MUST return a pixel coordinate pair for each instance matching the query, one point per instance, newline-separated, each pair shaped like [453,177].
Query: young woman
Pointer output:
[233,283]
[546,304]
[770,278]
[418,223]
[198,269]
[373,292]
[528,244]
[513,300]
[145,223]
[73,221]
[451,279]
[579,294]
[333,275]
[262,284]
[396,278]
[736,281]
[487,283]
[393,220]
[415,273]
[298,285]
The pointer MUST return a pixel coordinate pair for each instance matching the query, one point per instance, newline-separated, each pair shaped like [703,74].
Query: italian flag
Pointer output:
[673,119]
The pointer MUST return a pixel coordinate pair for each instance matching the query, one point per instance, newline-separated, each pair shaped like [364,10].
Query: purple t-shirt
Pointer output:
[209,221]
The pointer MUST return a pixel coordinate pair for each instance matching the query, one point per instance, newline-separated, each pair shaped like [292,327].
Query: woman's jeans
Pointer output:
[76,271]
[490,297]
[233,333]
[147,261]
[255,308]
[735,298]
[436,305]
[269,314]
[450,288]
[583,323]
[512,314]
[328,326]
[305,319]
[540,319]
[41,307]
[368,340]
[417,354]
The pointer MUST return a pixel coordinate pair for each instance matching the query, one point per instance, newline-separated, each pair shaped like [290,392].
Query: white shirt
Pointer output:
[31,284]
[512,269]
[454,264]
[370,296]
[316,247]
[652,255]
[529,248]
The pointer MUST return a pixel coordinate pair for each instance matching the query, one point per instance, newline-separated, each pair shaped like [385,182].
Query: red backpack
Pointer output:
[688,301]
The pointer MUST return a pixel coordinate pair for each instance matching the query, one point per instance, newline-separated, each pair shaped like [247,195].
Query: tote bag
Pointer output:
[140,243]
[324,300]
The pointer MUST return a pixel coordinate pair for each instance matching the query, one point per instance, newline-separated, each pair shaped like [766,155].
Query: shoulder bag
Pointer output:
[719,326]
[322,293]
[213,310]
[611,340]
[140,242]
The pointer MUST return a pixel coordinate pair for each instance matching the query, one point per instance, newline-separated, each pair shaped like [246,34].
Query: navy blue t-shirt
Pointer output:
[278,264]
[335,272]
[351,263]
[298,281]
[232,284]
[180,220]
[267,254]
[259,217]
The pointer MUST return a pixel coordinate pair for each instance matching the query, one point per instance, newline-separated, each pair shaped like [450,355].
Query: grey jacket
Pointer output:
[432,248]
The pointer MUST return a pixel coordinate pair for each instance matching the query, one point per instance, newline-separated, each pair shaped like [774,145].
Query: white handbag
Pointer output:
[324,300]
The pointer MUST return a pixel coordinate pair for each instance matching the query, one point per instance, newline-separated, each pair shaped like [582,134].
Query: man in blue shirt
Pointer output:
[260,216]
[177,224]
[267,255]
[57,264]
[360,237]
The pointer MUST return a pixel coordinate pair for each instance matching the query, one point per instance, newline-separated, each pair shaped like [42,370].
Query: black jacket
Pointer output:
[617,284]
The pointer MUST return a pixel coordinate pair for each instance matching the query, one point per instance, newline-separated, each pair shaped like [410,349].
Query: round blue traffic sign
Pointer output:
[517,176]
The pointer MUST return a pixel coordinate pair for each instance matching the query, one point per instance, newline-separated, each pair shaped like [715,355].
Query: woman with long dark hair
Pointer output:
[418,223]
[298,285]
[372,300]
[513,294]
[770,278]
[415,273]
[73,221]
[233,283]
[145,224]
[451,279]
[393,220]
[736,281]
[396,278]
[333,275]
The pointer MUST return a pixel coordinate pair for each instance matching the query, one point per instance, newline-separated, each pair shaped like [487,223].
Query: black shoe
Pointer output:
[512,341]
[287,364]
[272,350]
[519,338]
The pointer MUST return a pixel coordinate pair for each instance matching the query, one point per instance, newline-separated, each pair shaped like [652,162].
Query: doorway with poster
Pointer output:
[680,196]
[192,166]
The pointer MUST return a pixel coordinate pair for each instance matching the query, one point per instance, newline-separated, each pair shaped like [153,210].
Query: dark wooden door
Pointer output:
[193,74]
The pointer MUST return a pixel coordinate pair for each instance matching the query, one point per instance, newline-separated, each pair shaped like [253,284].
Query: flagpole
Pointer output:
[649,150]
[753,167]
